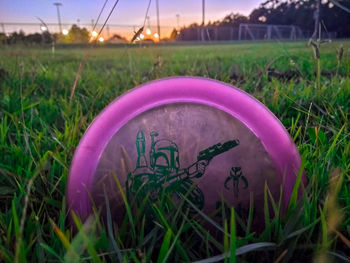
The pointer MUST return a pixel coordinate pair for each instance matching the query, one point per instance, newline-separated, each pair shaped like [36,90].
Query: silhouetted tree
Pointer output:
[75,35]
[304,14]
[16,38]
[174,34]
[34,38]
[232,20]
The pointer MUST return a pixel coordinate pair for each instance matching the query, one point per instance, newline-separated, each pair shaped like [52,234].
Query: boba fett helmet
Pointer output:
[164,155]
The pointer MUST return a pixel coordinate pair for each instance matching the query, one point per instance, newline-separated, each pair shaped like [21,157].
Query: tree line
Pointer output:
[75,35]
[301,13]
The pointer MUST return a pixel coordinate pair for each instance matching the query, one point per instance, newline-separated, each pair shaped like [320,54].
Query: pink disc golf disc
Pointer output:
[181,135]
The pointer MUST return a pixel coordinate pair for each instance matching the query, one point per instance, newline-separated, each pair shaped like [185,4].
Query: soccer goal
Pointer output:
[261,31]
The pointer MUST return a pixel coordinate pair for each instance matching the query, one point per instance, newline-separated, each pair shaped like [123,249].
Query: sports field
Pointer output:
[48,100]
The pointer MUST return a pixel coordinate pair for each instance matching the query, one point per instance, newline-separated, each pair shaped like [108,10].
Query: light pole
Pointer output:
[178,21]
[148,30]
[58,15]
[203,12]
[108,32]
[149,21]
[158,26]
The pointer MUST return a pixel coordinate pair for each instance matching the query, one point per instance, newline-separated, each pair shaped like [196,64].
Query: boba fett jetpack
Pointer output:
[164,173]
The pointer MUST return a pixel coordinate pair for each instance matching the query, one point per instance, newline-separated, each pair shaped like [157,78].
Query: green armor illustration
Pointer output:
[164,173]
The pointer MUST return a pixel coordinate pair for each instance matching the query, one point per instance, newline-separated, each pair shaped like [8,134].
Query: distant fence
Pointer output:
[248,32]
[126,31]
[199,33]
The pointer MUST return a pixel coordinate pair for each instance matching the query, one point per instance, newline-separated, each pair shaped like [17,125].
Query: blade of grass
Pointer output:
[110,228]
[240,251]
[128,210]
[203,215]
[295,193]
[251,212]
[233,237]
[279,259]
[174,242]
[226,238]
[165,246]
[51,251]
[85,239]
[331,148]
[166,224]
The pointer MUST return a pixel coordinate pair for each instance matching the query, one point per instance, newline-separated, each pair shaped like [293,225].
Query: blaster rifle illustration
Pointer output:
[209,153]
[152,179]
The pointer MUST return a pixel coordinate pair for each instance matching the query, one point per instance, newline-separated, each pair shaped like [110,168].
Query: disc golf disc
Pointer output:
[187,136]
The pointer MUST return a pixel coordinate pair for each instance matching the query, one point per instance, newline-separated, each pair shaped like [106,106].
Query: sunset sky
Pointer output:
[127,12]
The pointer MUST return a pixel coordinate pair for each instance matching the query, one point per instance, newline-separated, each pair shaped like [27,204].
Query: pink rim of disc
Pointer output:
[239,104]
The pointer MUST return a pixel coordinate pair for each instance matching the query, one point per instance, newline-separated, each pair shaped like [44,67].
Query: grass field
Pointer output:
[40,129]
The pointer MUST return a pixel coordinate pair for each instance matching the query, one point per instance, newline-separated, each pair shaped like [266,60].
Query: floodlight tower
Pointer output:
[178,21]
[149,22]
[108,31]
[158,26]
[58,15]
[148,30]
[203,12]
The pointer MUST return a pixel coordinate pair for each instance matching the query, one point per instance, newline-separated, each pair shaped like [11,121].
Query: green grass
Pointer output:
[40,129]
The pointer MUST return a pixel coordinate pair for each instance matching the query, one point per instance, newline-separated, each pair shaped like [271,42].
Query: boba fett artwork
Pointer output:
[183,149]
[164,173]
[199,142]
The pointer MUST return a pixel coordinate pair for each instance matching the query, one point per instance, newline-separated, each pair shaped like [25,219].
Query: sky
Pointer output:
[127,12]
